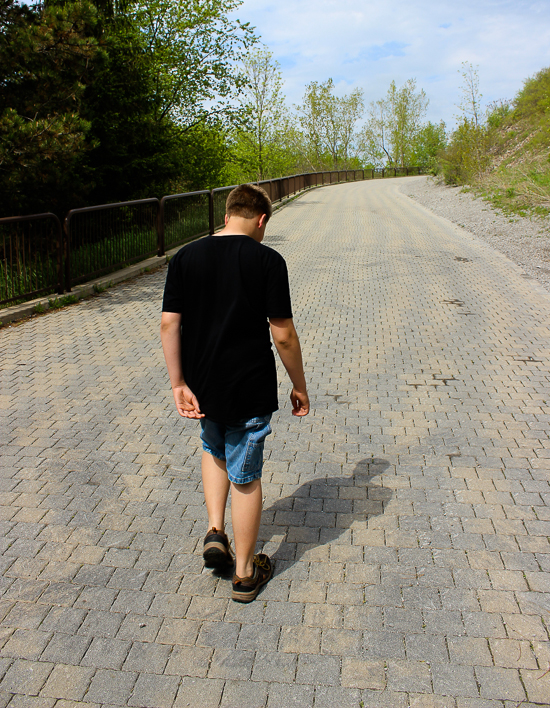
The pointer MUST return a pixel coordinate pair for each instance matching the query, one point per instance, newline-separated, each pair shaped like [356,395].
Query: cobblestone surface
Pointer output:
[408,514]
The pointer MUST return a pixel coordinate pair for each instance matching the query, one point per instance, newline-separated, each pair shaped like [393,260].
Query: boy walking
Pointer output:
[224,294]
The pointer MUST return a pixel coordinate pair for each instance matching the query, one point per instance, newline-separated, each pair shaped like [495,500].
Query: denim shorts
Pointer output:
[241,446]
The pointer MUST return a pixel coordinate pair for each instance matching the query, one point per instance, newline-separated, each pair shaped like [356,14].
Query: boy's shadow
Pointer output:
[322,510]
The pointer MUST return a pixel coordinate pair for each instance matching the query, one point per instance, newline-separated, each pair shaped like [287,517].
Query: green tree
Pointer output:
[262,102]
[374,141]
[133,149]
[466,156]
[406,108]
[45,58]
[428,144]
[470,102]
[194,47]
[533,99]
[202,156]
[393,125]
[268,143]
[329,124]
[160,104]
[110,100]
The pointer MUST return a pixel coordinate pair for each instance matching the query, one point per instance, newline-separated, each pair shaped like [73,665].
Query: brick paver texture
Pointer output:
[408,514]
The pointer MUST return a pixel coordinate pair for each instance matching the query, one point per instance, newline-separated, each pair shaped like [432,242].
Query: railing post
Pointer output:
[67,230]
[211,211]
[60,288]
[160,229]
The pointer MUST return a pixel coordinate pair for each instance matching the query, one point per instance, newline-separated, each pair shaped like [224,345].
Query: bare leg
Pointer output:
[246,512]
[216,488]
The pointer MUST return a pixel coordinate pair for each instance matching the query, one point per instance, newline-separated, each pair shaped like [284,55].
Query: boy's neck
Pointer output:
[240,226]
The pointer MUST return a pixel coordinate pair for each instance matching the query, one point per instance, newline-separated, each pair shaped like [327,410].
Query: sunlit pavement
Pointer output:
[408,513]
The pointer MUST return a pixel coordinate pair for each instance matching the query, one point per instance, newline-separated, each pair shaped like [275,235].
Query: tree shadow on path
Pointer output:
[322,510]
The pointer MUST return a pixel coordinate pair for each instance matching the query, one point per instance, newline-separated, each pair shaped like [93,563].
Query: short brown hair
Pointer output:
[248,201]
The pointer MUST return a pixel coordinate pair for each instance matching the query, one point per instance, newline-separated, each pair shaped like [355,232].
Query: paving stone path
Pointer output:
[408,514]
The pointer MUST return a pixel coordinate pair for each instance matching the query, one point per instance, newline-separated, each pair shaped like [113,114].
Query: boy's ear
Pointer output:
[226,219]
[262,221]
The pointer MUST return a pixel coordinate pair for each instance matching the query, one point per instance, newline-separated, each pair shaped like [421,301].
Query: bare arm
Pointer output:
[287,344]
[185,399]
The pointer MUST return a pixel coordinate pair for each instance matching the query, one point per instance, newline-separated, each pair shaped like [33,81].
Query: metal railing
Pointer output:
[217,207]
[37,256]
[101,239]
[31,257]
[183,217]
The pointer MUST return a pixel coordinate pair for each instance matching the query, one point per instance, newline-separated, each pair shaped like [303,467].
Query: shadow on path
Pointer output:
[322,510]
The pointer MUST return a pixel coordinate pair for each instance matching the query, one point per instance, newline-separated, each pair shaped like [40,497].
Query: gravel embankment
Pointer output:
[524,241]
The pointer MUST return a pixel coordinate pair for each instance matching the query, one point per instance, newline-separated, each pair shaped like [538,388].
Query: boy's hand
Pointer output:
[186,402]
[300,403]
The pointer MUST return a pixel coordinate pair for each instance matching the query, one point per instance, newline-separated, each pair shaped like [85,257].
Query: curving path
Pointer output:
[409,513]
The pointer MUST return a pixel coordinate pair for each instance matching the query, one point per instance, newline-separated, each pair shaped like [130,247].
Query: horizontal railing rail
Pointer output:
[38,256]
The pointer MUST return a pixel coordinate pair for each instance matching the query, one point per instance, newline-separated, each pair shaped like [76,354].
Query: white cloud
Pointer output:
[368,45]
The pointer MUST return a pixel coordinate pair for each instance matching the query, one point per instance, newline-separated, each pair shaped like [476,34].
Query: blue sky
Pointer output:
[367,44]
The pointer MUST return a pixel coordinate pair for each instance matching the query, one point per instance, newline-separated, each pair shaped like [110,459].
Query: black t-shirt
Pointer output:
[225,288]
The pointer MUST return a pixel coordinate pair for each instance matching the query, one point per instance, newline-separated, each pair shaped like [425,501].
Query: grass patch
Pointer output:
[59,302]
[522,188]
[98,289]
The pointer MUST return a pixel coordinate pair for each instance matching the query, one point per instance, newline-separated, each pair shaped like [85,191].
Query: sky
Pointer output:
[366,45]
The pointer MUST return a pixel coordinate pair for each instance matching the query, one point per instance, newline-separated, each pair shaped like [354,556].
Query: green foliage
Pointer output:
[394,123]
[201,154]
[498,114]
[131,152]
[470,103]
[427,145]
[129,246]
[45,55]
[112,100]
[406,109]
[58,302]
[267,143]
[505,157]
[466,156]
[193,48]
[158,102]
[281,155]
[534,98]
[329,126]
[257,142]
